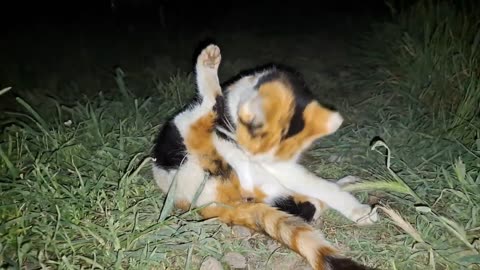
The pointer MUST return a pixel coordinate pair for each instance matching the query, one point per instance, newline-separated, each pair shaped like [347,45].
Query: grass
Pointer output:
[424,154]
[431,51]
[425,187]
[75,181]
[75,192]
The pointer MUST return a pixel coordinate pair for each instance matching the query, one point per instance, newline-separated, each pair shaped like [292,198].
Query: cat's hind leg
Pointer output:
[208,87]
[170,155]
[297,178]
[206,70]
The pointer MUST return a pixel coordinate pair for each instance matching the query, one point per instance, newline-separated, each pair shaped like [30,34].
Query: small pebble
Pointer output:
[235,260]
[211,263]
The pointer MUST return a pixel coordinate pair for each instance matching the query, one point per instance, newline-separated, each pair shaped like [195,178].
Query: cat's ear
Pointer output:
[318,122]
[322,121]
[334,122]
[251,112]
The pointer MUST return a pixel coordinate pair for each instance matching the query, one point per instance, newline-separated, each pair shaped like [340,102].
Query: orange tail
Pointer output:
[290,231]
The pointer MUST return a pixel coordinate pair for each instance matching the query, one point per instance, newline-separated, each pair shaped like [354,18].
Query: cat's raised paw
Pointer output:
[364,215]
[210,57]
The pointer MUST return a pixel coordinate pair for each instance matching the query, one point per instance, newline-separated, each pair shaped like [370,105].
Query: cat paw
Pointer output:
[210,57]
[364,215]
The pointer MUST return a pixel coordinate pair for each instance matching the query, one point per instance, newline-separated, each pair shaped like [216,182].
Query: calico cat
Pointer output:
[242,146]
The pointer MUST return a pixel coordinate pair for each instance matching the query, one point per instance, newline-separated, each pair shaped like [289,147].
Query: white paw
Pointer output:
[364,215]
[347,180]
[210,57]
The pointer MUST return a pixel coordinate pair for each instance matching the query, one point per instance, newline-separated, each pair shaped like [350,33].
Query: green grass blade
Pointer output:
[169,203]
[389,186]
[5,90]
[11,168]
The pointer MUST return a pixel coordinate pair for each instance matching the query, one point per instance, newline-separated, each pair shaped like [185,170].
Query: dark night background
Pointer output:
[52,45]
[183,14]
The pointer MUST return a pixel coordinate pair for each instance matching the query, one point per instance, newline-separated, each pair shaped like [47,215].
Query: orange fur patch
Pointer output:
[199,136]
[277,224]
[316,118]
[227,193]
[278,106]
[199,141]
[296,237]
[259,195]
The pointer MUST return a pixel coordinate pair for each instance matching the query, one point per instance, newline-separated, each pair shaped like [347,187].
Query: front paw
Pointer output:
[364,215]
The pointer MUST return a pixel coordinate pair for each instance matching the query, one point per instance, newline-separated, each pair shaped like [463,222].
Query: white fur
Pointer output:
[297,178]
[208,86]
[163,178]
[242,91]
[254,107]
[185,119]
[190,175]
[206,68]
[281,178]
[334,122]
[188,178]
[274,178]
[251,174]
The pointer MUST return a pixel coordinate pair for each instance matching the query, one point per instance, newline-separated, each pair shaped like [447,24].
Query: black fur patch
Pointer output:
[223,116]
[291,78]
[341,263]
[305,210]
[223,169]
[297,123]
[169,150]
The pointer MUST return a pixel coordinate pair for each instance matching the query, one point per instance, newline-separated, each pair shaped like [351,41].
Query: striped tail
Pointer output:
[291,231]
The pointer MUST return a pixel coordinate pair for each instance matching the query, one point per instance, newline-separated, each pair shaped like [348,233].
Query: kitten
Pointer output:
[243,145]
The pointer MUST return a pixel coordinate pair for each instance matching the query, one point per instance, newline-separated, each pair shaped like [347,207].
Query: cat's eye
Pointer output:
[253,128]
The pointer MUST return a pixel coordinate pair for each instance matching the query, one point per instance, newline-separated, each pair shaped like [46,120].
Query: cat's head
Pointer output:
[281,119]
